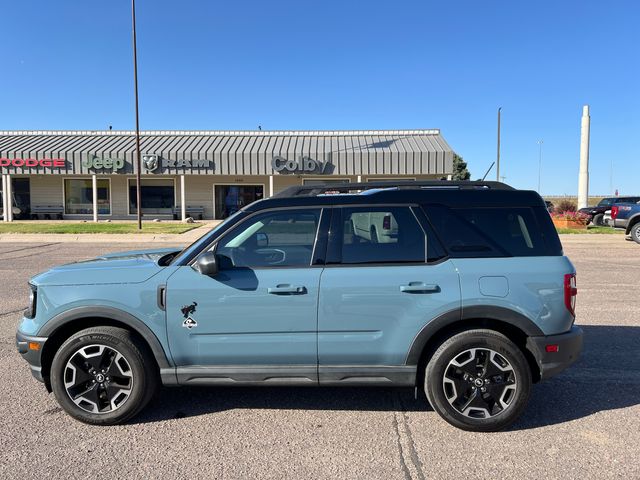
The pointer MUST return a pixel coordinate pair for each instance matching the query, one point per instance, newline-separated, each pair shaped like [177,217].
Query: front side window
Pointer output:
[381,235]
[78,197]
[273,239]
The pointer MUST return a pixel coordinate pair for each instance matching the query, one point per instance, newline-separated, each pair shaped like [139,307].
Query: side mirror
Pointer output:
[262,240]
[207,264]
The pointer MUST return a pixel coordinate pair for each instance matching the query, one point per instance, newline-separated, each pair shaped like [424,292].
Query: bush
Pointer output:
[579,218]
[564,206]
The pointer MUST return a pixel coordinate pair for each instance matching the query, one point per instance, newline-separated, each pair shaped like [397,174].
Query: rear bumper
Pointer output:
[26,345]
[620,222]
[569,347]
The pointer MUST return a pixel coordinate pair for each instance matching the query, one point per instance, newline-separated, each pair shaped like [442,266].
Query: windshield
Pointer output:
[205,238]
[606,202]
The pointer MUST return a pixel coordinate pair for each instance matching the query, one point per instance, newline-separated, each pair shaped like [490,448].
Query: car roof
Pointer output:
[454,194]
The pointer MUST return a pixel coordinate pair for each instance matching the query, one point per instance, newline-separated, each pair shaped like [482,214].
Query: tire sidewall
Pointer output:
[635,232]
[452,348]
[598,220]
[133,356]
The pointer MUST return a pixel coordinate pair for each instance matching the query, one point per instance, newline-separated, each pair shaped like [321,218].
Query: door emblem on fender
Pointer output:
[189,321]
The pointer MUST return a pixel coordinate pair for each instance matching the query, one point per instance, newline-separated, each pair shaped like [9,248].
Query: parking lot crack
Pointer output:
[411,464]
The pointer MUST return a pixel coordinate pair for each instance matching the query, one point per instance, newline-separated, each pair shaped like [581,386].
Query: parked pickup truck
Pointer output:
[627,216]
[596,213]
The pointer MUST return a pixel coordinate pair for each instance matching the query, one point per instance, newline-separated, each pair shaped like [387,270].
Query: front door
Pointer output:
[378,294]
[228,199]
[258,315]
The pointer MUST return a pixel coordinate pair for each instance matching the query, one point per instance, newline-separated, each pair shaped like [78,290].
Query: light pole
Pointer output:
[540,142]
[498,153]
[135,84]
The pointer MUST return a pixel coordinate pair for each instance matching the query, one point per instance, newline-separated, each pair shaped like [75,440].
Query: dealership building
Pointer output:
[203,174]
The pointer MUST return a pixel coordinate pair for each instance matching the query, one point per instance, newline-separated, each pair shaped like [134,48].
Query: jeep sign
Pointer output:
[301,164]
[93,162]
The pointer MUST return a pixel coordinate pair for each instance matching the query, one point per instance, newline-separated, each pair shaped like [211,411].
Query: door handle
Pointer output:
[286,289]
[420,287]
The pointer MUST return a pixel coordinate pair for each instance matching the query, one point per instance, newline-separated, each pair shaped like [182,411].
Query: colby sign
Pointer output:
[301,164]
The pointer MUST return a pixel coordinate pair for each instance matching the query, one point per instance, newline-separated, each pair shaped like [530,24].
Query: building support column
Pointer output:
[359,179]
[271,185]
[9,198]
[5,215]
[183,201]
[94,189]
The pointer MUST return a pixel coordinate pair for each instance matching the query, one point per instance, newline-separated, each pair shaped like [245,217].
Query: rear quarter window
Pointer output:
[488,231]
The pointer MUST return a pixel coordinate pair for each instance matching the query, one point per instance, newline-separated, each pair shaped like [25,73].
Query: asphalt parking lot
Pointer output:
[585,423]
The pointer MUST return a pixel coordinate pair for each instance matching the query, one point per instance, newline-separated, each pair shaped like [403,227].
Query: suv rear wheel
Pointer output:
[103,376]
[478,380]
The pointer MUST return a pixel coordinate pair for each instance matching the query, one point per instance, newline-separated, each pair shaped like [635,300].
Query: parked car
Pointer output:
[596,214]
[470,299]
[627,216]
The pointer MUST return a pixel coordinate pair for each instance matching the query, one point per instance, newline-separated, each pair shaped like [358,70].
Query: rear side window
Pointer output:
[380,235]
[488,232]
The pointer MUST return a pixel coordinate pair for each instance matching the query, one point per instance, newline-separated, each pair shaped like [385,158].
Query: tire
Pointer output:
[109,395]
[635,232]
[598,220]
[374,234]
[454,365]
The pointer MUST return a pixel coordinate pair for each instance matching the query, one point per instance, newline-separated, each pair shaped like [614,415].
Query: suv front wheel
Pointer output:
[478,380]
[103,376]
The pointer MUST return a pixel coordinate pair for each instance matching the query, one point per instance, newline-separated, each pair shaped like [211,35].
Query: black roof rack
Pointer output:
[346,188]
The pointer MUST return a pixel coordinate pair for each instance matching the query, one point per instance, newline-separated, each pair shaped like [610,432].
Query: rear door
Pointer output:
[377,292]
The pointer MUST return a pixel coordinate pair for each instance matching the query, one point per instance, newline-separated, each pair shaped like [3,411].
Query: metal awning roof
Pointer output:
[400,152]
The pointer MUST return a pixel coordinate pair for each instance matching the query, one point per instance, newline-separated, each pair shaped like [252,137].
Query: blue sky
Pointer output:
[344,65]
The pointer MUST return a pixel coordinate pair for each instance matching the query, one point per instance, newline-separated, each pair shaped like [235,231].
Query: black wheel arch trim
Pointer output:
[477,312]
[135,324]
[631,222]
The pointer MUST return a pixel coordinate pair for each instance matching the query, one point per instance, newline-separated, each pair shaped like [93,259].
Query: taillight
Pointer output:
[614,212]
[570,292]
[386,222]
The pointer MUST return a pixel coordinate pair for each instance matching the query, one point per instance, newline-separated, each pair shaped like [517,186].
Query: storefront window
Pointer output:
[78,197]
[158,196]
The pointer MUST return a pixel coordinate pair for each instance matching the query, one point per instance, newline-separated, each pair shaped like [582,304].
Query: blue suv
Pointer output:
[459,288]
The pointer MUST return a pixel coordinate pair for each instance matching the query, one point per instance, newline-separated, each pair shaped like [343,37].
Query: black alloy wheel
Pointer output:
[478,380]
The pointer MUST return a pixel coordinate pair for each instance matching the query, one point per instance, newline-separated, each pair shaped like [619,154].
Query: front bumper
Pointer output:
[569,347]
[30,348]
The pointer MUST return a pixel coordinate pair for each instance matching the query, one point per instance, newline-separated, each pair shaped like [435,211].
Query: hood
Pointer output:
[122,267]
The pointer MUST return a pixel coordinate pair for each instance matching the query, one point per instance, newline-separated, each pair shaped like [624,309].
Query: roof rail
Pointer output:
[346,188]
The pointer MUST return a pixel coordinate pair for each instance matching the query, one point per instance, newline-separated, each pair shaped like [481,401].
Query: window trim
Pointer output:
[334,247]
[325,218]
[64,197]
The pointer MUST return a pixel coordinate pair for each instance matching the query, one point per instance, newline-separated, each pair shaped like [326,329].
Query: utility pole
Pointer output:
[540,142]
[135,83]
[498,155]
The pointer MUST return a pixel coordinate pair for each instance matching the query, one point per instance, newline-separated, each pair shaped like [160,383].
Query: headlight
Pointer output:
[30,312]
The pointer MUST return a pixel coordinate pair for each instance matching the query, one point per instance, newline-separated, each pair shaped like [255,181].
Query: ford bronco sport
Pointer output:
[469,296]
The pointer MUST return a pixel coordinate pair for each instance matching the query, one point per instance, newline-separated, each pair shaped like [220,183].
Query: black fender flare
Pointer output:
[135,324]
[633,219]
[478,312]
